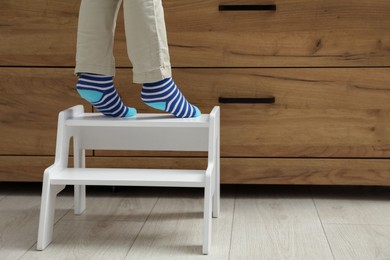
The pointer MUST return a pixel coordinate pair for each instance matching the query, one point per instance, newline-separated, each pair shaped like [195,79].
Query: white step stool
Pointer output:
[144,132]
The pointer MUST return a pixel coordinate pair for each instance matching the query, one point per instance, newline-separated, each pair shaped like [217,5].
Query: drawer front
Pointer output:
[327,112]
[317,112]
[297,33]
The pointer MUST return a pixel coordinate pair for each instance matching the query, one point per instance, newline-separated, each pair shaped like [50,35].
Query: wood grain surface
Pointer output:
[277,225]
[175,225]
[317,112]
[343,112]
[326,63]
[353,205]
[19,217]
[105,230]
[350,242]
[159,223]
[30,102]
[298,33]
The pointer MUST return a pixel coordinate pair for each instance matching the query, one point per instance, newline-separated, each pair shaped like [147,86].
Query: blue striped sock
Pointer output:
[164,95]
[99,90]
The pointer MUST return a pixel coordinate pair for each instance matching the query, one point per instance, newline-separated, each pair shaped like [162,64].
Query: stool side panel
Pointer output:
[137,138]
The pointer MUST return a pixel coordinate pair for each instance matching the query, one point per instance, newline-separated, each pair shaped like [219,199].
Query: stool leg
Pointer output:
[46,217]
[79,190]
[207,215]
[79,199]
[216,195]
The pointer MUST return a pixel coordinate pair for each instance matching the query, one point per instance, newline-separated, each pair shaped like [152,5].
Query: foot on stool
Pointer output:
[164,95]
[99,90]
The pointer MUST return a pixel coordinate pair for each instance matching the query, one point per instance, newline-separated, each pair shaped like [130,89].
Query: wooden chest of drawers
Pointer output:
[326,64]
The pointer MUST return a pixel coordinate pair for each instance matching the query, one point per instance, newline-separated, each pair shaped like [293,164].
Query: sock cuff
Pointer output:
[157,82]
[98,77]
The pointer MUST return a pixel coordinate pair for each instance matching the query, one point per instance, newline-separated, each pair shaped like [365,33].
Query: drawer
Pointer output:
[299,33]
[318,112]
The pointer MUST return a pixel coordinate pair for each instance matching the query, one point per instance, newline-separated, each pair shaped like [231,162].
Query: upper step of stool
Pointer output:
[141,120]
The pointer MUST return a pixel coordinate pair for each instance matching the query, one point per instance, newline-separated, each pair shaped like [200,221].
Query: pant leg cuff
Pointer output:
[108,70]
[153,75]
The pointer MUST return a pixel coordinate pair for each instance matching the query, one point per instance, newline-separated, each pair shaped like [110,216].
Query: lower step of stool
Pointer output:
[129,177]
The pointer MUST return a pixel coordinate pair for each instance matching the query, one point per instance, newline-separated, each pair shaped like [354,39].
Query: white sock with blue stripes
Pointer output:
[99,90]
[164,95]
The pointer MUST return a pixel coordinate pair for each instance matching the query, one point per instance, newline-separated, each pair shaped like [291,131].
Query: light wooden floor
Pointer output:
[256,222]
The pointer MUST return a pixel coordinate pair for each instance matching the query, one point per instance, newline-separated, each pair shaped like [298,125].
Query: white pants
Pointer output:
[146,38]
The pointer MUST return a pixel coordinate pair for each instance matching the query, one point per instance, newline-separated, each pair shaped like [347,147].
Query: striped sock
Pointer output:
[99,90]
[164,95]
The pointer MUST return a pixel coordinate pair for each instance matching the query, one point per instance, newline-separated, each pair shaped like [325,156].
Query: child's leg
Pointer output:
[147,48]
[95,63]
[95,36]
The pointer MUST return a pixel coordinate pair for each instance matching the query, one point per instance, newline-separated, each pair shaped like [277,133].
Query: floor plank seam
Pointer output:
[322,225]
[231,231]
[150,213]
